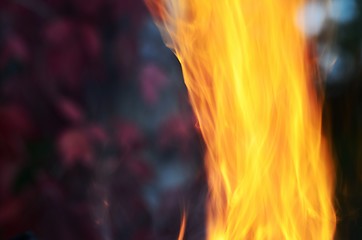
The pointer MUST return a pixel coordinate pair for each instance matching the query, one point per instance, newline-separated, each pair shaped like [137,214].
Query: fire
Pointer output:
[245,66]
[183,226]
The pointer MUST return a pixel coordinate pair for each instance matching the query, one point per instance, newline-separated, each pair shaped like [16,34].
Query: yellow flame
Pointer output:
[245,67]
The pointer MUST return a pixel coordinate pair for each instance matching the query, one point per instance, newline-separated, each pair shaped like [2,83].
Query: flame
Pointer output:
[244,63]
[182,227]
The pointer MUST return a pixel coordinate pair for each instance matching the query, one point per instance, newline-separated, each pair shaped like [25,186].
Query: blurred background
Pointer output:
[97,138]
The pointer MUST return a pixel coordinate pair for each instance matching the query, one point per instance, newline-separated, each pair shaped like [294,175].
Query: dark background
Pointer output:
[97,139]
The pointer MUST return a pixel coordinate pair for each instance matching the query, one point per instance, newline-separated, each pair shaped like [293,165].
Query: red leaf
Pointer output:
[129,137]
[153,80]
[70,110]
[91,41]
[58,32]
[74,147]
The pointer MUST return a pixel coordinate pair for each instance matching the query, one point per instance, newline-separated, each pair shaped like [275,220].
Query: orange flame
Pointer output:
[183,227]
[244,64]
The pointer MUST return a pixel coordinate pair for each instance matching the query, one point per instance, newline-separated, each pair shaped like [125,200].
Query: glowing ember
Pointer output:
[244,64]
